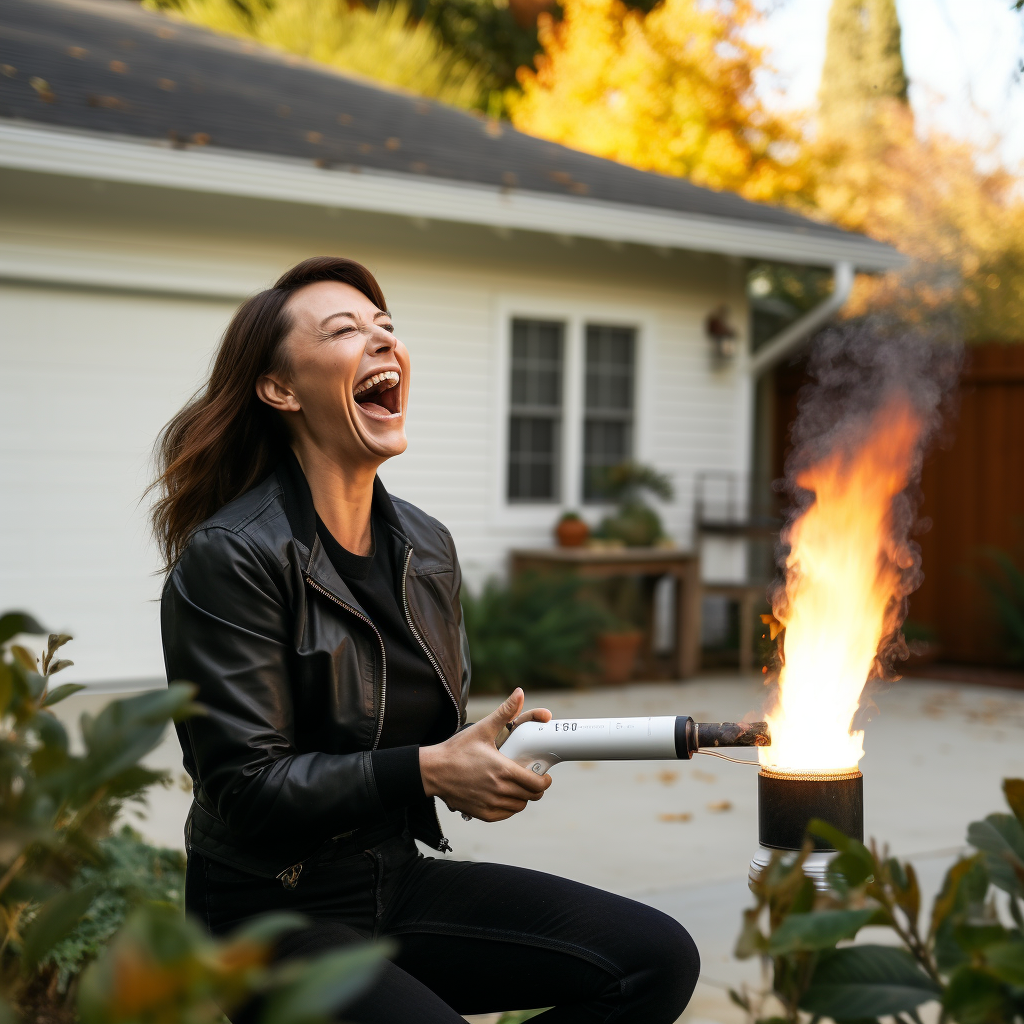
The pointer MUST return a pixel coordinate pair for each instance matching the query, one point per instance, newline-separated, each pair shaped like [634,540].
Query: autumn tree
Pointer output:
[950,207]
[385,43]
[671,90]
[863,67]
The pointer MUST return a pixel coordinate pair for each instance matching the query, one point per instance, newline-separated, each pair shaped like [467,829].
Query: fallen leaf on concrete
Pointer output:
[720,805]
[703,776]
[684,816]
[588,764]
[667,777]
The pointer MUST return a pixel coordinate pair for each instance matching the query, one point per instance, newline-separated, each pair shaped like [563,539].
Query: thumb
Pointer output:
[505,712]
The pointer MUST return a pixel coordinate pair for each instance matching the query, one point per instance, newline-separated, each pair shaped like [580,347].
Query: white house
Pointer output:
[154,174]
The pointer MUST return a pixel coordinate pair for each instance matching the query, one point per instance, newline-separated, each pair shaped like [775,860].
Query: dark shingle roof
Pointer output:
[108,66]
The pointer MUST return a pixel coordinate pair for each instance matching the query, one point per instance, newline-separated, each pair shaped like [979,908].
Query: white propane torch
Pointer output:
[539,745]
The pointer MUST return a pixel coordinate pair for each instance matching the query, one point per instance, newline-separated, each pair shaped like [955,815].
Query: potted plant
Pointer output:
[634,523]
[618,644]
[571,531]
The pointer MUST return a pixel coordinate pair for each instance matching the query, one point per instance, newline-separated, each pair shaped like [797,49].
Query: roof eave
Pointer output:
[63,151]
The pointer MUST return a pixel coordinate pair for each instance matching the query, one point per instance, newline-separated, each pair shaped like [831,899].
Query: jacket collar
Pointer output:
[298,506]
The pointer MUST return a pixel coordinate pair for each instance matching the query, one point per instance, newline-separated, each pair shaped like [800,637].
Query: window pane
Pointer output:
[608,424]
[536,410]
[605,443]
[610,368]
[533,458]
[537,364]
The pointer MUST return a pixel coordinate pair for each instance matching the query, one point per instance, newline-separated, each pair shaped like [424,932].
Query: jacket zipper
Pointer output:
[445,846]
[289,878]
[383,656]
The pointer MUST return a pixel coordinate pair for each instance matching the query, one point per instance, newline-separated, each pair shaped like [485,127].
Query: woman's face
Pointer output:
[346,382]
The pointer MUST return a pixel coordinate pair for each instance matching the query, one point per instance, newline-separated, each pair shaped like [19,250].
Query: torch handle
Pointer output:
[540,745]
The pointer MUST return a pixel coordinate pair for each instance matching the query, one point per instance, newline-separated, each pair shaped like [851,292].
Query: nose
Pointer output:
[380,341]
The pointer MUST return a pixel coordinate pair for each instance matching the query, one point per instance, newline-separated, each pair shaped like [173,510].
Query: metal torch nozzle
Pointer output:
[692,736]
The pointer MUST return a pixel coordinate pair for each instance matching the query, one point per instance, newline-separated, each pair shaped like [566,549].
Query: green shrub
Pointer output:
[968,956]
[541,630]
[131,872]
[73,896]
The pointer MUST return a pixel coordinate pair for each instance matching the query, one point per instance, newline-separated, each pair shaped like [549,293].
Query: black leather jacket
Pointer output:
[293,674]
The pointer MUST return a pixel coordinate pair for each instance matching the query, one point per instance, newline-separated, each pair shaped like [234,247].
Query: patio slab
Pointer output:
[935,755]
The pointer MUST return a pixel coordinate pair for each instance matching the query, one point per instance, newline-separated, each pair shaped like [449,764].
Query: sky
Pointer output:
[960,55]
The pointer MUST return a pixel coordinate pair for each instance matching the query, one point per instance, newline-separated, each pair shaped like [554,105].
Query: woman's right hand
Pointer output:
[471,775]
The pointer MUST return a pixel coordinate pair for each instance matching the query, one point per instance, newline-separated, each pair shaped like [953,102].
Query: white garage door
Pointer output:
[88,380]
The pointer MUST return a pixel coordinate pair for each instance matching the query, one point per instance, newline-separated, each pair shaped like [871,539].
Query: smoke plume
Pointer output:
[859,368]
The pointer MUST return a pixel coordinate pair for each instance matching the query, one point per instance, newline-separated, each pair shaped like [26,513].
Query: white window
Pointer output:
[571,410]
[535,422]
[608,402]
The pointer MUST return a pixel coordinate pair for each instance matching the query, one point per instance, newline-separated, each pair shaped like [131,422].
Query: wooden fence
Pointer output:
[973,494]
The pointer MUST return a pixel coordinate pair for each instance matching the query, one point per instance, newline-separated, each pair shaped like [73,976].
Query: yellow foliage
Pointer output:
[384,44]
[670,91]
[962,226]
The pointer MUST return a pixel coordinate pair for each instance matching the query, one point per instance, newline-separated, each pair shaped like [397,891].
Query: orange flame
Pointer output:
[841,580]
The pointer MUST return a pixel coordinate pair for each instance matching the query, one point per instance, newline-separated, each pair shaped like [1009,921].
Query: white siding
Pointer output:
[89,377]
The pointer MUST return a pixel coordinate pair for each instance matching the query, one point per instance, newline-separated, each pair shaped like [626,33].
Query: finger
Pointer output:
[525,783]
[504,713]
[534,715]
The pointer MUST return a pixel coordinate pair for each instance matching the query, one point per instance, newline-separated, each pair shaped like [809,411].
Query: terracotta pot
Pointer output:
[618,655]
[572,533]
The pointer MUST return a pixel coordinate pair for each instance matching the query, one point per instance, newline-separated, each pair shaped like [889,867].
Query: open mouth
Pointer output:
[378,395]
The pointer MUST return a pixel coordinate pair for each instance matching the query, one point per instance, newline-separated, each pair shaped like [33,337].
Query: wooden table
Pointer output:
[595,563]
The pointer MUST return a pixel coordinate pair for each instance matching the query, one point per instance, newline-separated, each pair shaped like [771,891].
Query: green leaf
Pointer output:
[315,990]
[54,920]
[61,693]
[820,929]
[974,996]
[973,938]
[1006,961]
[855,863]
[740,999]
[6,687]
[1014,790]
[1001,838]
[13,623]
[24,657]
[906,888]
[867,981]
[963,882]
[59,665]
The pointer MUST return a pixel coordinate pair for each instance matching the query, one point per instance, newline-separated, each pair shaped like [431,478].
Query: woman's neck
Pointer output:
[342,496]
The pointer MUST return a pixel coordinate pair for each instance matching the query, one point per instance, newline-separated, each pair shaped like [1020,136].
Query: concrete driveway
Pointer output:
[679,835]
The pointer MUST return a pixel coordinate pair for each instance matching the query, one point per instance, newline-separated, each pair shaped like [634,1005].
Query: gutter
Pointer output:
[791,338]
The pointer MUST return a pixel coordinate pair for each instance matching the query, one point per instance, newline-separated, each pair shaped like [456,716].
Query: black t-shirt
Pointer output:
[417,709]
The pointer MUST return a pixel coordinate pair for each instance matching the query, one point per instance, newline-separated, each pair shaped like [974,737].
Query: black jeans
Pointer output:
[471,938]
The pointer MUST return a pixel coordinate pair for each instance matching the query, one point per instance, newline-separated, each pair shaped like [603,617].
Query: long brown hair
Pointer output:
[225,440]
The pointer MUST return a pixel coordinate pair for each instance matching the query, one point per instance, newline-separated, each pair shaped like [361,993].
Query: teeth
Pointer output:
[388,377]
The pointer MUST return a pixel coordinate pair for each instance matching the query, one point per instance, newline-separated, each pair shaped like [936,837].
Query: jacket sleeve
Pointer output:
[226,628]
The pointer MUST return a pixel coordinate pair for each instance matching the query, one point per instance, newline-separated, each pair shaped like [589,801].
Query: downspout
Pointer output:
[792,337]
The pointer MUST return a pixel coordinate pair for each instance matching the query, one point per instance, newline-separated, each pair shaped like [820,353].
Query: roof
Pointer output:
[115,71]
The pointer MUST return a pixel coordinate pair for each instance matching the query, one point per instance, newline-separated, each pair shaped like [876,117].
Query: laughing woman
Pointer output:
[320,619]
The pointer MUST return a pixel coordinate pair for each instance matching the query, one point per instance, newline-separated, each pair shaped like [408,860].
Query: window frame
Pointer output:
[575,312]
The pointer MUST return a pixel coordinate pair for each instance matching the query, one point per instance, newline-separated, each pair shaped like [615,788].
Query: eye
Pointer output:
[389,327]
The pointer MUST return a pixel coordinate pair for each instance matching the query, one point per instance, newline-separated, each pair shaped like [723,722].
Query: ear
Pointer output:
[277,394]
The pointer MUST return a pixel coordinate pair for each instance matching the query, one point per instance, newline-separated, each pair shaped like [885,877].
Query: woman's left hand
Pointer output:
[469,773]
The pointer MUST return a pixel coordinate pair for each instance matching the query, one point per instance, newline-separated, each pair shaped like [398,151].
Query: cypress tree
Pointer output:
[863,65]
